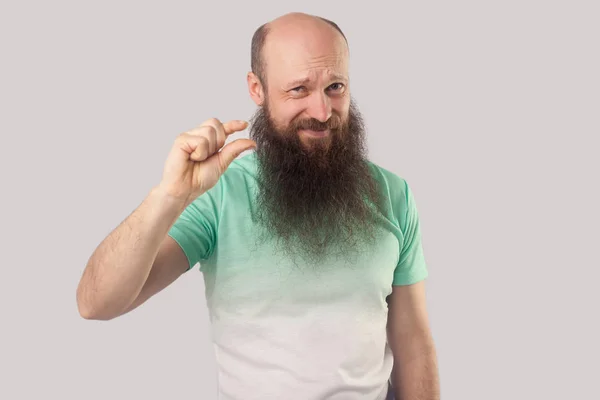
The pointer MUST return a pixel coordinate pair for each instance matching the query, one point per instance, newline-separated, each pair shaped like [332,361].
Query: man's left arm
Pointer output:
[415,372]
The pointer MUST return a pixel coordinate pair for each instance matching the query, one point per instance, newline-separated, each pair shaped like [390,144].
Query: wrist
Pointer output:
[168,199]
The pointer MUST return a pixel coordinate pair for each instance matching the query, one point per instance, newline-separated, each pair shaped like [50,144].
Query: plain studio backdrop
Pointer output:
[489,110]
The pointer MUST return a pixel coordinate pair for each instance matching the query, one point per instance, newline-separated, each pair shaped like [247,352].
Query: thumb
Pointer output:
[230,152]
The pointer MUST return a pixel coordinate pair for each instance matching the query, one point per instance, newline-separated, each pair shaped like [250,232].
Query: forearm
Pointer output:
[120,265]
[415,373]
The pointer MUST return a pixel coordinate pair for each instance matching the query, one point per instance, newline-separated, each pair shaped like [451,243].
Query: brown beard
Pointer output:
[316,200]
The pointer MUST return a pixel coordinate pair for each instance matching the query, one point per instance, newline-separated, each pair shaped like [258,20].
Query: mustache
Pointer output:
[333,123]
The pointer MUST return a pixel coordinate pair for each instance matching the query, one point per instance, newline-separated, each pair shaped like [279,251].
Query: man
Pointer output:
[311,254]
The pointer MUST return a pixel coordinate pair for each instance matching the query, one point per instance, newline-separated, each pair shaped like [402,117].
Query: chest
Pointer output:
[250,276]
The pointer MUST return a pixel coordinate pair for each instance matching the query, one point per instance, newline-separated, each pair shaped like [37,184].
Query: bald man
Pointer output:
[311,254]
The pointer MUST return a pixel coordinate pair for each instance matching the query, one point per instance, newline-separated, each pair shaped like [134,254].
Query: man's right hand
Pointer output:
[198,158]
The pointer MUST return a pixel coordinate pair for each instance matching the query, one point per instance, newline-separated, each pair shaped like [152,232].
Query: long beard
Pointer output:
[318,200]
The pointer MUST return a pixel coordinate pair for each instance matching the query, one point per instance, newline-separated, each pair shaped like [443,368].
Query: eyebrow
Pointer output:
[304,81]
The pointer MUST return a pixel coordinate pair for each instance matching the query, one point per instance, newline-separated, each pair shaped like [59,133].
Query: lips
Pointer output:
[314,133]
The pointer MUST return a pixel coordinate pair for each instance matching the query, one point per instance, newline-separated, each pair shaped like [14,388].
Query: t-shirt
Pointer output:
[281,331]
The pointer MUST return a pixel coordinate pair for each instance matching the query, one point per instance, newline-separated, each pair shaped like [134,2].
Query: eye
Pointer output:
[336,87]
[298,89]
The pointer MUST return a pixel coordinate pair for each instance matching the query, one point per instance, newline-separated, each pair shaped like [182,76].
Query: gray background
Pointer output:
[490,111]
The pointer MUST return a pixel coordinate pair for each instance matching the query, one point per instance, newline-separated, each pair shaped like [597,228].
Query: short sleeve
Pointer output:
[411,266]
[195,230]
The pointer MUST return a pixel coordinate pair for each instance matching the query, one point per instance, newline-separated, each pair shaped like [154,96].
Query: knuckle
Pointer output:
[213,122]
[203,141]
[207,144]
[201,147]
[210,130]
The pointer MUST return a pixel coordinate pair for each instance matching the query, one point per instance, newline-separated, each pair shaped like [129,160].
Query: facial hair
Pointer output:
[319,199]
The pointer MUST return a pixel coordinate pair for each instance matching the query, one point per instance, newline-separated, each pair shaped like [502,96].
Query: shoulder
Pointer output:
[393,185]
[399,204]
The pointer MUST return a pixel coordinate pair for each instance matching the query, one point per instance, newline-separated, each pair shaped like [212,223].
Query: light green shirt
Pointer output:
[283,332]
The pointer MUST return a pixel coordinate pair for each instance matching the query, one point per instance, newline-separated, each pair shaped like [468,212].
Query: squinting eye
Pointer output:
[297,89]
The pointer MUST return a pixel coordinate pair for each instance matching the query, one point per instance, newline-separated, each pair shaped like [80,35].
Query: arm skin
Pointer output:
[415,372]
[136,261]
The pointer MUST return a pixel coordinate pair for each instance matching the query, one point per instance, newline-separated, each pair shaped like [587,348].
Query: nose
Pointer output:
[319,107]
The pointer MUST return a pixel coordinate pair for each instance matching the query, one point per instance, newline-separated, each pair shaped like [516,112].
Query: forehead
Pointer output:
[299,52]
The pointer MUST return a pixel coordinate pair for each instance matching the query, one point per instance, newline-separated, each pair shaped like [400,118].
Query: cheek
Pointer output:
[288,112]
[341,105]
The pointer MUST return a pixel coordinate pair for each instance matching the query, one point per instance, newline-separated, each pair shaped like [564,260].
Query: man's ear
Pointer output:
[255,88]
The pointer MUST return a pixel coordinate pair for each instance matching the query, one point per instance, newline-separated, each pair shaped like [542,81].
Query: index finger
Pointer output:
[234,126]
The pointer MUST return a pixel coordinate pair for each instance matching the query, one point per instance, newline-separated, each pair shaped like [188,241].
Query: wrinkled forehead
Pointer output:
[297,53]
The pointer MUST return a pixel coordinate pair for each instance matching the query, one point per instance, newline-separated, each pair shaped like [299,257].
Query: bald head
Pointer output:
[290,31]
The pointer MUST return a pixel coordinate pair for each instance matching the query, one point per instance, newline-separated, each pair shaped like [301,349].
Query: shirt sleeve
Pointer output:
[195,230]
[411,267]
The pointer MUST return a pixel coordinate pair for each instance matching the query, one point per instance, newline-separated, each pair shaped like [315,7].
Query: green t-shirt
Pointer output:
[280,331]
